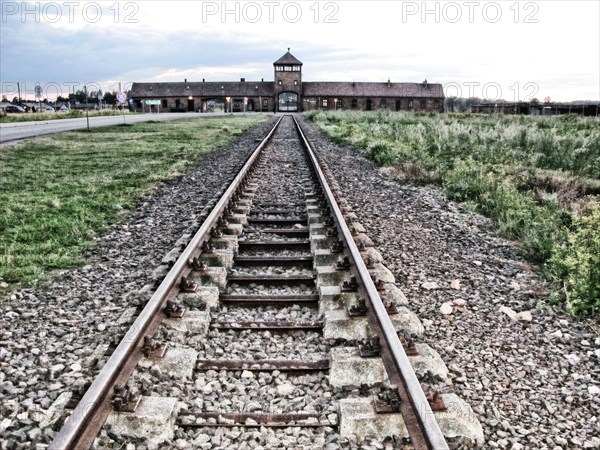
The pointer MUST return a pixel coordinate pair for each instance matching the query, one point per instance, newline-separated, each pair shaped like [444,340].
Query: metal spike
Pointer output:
[198,265]
[337,247]
[435,399]
[207,248]
[187,285]
[343,264]
[370,347]
[390,306]
[388,401]
[124,400]
[153,349]
[358,309]
[350,286]
[174,310]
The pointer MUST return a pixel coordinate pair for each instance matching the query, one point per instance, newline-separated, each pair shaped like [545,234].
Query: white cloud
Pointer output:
[372,40]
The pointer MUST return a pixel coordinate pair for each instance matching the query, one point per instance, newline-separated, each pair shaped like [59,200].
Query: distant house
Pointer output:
[288,92]
[537,108]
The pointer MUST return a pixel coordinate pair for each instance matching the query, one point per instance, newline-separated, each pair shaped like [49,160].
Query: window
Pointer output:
[410,104]
[423,104]
[383,103]
[354,103]
[398,107]
[288,68]
[436,104]
[324,103]
[339,104]
[265,103]
[164,103]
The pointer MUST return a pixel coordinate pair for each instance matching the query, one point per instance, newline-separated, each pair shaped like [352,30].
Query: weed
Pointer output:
[74,113]
[534,176]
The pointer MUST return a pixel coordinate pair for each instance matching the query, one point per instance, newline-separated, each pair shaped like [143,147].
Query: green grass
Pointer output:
[538,178]
[73,114]
[57,193]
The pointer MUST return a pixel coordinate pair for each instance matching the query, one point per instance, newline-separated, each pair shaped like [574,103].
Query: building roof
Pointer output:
[202,89]
[266,89]
[368,89]
[288,58]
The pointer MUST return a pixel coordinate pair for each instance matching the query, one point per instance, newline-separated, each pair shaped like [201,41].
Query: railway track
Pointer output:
[277,326]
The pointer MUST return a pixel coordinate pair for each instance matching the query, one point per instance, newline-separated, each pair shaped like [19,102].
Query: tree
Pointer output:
[110,98]
[78,96]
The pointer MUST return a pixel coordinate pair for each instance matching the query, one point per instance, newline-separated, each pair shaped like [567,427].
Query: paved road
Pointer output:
[23,130]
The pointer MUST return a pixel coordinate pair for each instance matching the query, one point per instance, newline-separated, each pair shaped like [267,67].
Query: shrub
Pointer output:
[383,153]
[532,175]
[575,263]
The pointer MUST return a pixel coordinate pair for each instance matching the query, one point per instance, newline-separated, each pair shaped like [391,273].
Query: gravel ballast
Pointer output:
[48,335]
[253,386]
[531,374]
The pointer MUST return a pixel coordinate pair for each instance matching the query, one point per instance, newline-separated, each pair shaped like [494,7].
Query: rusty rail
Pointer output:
[84,424]
[423,429]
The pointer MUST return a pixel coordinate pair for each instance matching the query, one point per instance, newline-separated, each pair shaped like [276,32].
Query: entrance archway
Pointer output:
[215,105]
[288,101]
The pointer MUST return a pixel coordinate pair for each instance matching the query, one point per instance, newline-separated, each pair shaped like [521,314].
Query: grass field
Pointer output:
[58,192]
[73,114]
[537,177]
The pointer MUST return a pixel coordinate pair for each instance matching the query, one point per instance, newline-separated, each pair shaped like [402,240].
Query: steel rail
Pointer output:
[431,435]
[84,424]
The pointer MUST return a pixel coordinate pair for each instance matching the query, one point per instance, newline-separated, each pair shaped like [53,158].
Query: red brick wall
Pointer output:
[312,103]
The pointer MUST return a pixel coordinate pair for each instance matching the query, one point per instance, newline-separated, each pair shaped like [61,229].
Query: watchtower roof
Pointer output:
[288,58]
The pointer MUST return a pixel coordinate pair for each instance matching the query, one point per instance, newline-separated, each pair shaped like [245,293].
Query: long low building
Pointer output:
[287,93]
[537,108]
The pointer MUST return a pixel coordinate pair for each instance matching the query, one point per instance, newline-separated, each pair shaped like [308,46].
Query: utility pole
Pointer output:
[38,94]
[87,111]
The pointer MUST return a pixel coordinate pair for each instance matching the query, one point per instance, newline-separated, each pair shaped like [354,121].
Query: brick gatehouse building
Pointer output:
[287,93]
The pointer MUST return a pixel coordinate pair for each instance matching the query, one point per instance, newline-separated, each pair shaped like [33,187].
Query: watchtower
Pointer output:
[288,83]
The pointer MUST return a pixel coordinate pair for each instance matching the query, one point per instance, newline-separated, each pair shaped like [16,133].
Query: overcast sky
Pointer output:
[504,49]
